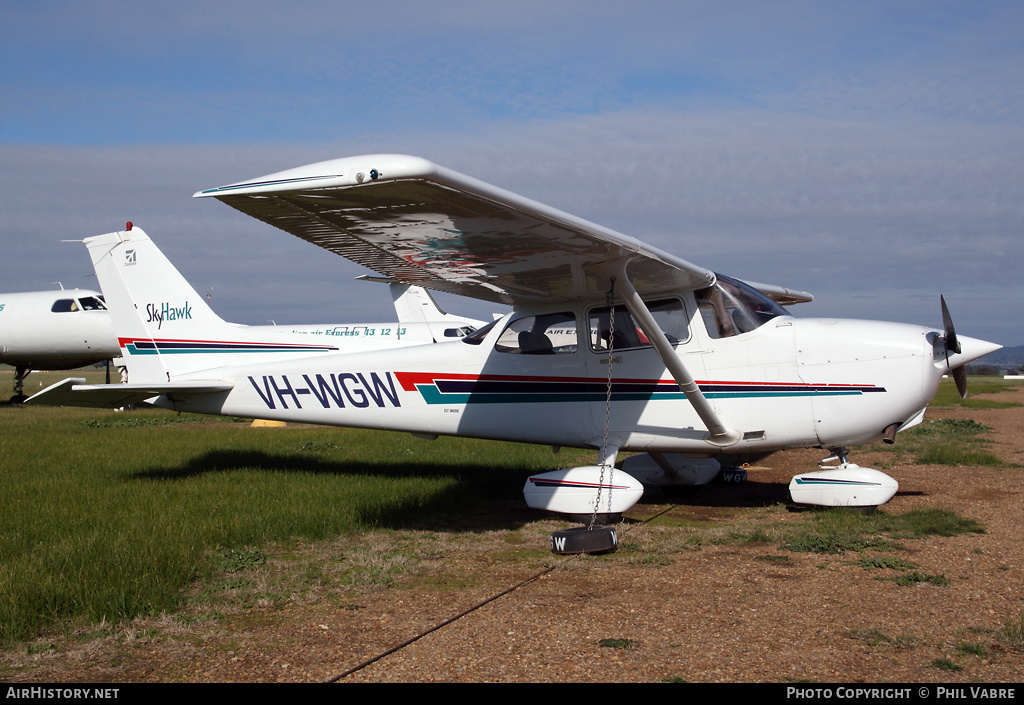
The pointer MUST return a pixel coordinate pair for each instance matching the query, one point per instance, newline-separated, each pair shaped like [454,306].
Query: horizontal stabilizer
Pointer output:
[74,392]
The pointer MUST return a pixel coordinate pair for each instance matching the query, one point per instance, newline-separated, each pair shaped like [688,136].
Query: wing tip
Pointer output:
[345,171]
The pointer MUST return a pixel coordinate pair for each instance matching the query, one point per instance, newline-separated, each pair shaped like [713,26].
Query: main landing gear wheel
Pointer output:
[581,539]
[20,373]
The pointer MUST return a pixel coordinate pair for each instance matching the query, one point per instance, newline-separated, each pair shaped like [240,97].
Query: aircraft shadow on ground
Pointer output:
[482,497]
[723,495]
[308,463]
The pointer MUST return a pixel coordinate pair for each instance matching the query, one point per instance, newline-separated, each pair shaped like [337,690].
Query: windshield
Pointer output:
[91,303]
[731,307]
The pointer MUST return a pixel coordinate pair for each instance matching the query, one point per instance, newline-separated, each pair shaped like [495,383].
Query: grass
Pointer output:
[625,644]
[973,648]
[914,578]
[875,637]
[948,396]
[885,563]
[953,442]
[836,531]
[944,664]
[107,516]
[1012,633]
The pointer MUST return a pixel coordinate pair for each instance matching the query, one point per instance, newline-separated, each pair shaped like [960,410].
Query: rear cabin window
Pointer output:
[623,333]
[547,334]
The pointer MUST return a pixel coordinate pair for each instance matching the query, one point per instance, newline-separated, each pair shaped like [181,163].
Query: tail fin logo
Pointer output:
[129,258]
[166,312]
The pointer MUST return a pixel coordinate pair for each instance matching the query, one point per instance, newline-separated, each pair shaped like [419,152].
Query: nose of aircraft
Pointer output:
[964,350]
[970,350]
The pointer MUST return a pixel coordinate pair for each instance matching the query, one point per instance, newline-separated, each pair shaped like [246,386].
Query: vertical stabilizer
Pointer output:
[155,312]
[165,329]
[416,307]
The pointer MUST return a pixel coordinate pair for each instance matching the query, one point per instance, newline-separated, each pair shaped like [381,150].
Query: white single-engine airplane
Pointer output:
[611,344]
[47,330]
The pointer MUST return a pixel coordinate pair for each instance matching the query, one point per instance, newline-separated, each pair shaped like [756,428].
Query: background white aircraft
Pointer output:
[53,330]
[611,344]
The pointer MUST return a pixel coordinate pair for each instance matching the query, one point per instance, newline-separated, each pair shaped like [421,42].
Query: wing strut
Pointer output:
[720,434]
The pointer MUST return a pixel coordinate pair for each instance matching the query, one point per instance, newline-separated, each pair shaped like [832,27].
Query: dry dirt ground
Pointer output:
[678,600]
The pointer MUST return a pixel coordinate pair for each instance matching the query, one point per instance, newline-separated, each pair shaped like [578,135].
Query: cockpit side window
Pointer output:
[460,332]
[669,314]
[547,334]
[91,303]
[731,307]
[64,306]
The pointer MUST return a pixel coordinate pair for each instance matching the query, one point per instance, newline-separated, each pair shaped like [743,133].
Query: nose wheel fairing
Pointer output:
[846,485]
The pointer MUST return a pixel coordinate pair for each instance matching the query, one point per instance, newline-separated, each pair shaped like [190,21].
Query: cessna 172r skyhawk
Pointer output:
[611,344]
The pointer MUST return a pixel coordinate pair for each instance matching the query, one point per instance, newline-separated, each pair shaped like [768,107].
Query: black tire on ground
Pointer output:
[580,539]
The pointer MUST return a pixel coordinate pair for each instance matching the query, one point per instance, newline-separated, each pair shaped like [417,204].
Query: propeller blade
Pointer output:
[960,377]
[952,344]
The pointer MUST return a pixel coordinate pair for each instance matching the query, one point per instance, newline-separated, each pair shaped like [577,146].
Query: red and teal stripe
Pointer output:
[440,388]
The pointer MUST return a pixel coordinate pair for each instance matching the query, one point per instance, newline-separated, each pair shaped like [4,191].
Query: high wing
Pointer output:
[423,224]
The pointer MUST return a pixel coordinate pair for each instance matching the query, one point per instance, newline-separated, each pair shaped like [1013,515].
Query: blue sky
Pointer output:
[871,153]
